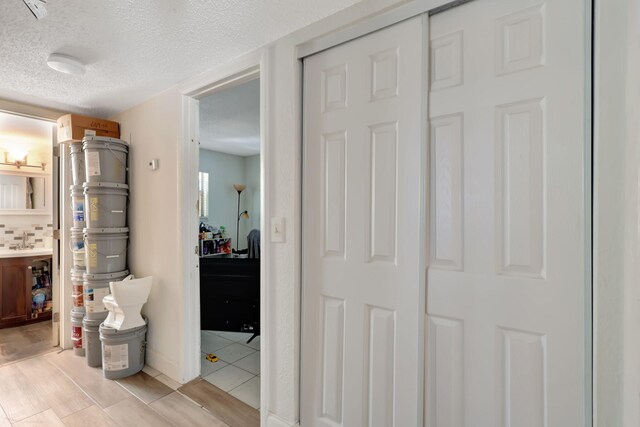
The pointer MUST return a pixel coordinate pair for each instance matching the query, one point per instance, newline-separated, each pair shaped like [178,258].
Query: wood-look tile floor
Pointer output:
[25,341]
[58,389]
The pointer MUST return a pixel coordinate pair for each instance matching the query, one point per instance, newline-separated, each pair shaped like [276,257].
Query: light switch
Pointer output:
[277,230]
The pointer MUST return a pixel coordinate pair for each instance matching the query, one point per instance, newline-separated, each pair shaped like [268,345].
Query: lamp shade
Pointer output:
[239,187]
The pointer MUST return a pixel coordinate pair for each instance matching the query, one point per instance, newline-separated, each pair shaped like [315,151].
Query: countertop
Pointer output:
[8,253]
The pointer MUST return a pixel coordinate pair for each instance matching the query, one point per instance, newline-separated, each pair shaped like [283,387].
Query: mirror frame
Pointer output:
[48,193]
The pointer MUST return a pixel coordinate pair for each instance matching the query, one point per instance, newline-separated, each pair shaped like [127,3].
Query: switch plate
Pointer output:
[278,230]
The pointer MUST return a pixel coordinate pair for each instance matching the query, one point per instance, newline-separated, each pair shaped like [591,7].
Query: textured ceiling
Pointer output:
[134,49]
[230,120]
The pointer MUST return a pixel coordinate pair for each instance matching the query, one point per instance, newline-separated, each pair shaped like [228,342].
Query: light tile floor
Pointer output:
[238,370]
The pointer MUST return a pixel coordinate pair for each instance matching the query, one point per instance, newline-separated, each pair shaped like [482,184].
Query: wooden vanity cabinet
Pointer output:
[15,291]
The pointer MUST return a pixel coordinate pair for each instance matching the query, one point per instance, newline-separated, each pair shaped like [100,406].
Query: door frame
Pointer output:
[59,293]
[428,8]
[249,68]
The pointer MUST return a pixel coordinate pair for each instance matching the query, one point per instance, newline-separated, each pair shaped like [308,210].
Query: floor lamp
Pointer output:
[239,188]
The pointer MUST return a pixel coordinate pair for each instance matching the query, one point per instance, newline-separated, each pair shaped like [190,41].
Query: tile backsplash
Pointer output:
[38,234]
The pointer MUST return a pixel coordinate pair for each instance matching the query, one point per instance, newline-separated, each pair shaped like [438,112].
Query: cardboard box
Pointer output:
[74,127]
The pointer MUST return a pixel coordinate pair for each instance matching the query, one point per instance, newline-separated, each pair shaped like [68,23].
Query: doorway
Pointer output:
[29,273]
[229,194]
[504,156]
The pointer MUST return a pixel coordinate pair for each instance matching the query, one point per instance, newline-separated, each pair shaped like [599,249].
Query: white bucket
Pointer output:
[106,204]
[77,164]
[76,331]
[77,249]
[77,206]
[106,249]
[96,287]
[77,282]
[105,159]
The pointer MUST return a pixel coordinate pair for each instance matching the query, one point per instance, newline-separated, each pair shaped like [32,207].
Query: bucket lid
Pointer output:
[106,330]
[92,323]
[87,139]
[106,185]
[75,230]
[77,274]
[77,313]
[105,276]
[105,230]
[75,188]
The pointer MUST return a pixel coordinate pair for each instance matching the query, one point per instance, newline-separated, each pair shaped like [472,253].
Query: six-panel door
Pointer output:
[363,301]
[506,284]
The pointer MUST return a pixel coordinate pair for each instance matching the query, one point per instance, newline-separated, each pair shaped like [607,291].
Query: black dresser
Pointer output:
[230,294]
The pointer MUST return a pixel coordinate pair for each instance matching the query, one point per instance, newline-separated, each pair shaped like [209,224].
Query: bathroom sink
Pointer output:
[16,253]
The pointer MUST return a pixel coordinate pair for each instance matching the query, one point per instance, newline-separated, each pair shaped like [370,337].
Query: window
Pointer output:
[203,194]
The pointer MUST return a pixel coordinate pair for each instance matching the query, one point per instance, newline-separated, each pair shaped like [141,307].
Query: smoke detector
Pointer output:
[65,64]
[37,7]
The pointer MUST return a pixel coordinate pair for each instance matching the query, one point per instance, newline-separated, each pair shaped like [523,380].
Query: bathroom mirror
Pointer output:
[23,193]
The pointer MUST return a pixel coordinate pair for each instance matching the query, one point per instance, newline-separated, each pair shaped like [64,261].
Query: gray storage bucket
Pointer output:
[77,284]
[106,204]
[77,206]
[92,345]
[76,244]
[76,331]
[105,159]
[96,287]
[122,351]
[77,164]
[106,249]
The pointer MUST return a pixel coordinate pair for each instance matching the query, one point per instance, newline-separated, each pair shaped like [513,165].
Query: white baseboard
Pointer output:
[275,421]
[158,361]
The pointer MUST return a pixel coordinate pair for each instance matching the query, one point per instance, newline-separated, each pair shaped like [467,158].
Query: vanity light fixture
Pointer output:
[19,160]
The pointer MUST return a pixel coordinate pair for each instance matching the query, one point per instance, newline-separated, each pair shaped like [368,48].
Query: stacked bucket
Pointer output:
[77,247]
[100,231]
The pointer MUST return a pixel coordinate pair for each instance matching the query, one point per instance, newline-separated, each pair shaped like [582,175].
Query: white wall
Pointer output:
[252,200]
[224,171]
[151,129]
[617,214]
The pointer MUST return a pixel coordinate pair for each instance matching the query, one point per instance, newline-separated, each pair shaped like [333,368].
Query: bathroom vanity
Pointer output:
[230,294]
[17,284]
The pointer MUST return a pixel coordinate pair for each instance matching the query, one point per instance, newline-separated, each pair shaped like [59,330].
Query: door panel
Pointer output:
[363,303]
[13,298]
[506,282]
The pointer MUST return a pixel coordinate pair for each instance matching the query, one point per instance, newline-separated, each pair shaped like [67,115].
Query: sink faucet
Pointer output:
[24,244]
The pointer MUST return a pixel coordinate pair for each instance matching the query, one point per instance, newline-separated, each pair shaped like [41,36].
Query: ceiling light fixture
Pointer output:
[65,64]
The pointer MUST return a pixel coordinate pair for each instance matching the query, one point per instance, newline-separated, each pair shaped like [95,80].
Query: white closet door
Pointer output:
[363,301]
[506,283]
